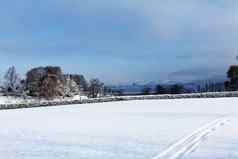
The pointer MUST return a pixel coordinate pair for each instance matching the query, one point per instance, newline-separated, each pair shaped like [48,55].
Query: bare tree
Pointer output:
[11,81]
[95,88]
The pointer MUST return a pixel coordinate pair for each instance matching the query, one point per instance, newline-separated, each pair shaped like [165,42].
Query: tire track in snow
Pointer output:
[191,142]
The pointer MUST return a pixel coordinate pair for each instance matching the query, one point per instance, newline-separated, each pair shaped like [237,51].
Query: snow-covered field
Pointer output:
[21,100]
[144,129]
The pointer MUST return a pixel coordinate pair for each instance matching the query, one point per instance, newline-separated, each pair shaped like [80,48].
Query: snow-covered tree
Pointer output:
[12,81]
[45,82]
[51,87]
[80,81]
[70,87]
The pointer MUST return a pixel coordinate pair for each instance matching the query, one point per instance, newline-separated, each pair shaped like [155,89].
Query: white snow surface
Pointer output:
[122,130]
[21,100]
[13,100]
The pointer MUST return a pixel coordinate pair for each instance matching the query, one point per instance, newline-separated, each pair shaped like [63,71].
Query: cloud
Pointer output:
[196,74]
[196,26]
[168,35]
[170,18]
[191,16]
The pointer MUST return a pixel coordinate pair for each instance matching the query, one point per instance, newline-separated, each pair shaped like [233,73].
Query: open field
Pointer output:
[123,130]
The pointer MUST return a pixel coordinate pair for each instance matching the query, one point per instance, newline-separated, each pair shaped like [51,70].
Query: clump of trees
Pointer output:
[45,82]
[177,89]
[210,86]
[49,82]
[164,89]
[170,89]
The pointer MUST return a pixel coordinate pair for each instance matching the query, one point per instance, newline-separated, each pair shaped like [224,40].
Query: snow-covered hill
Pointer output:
[122,130]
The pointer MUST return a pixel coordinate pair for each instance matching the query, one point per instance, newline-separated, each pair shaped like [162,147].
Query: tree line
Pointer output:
[165,89]
[231,84]
[49,82]
[208,86]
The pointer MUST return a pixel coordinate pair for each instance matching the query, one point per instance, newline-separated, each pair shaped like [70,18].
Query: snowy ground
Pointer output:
[121,130]
[21,100]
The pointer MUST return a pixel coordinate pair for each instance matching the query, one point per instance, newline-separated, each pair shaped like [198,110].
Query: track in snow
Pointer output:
[190,143]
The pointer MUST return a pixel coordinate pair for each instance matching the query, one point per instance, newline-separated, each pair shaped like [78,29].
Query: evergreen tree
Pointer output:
[232,74]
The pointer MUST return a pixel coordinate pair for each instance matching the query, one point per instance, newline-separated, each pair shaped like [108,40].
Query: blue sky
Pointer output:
[121,41]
